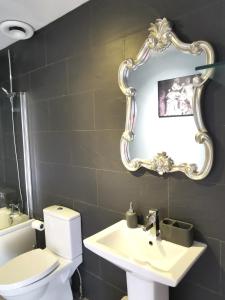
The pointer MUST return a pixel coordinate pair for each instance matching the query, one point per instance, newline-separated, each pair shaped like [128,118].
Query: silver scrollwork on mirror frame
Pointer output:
[159,39]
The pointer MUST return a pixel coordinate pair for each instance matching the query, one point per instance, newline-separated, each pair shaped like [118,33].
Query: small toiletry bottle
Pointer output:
[131,217]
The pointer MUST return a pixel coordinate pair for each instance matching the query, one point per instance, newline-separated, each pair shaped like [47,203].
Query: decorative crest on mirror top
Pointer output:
[159,39]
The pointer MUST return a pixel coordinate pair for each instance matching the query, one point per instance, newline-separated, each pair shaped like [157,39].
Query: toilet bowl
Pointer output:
[46,279]
[44,274]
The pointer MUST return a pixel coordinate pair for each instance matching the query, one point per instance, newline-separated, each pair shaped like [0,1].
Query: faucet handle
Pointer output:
[151,217]
[152,212]
[152,220]
[14,207]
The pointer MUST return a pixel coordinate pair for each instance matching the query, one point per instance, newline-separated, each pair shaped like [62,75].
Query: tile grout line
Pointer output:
[168,197]
[67,58]
[61,164]
[71,115]
[97,186]
[67,79]
[94,109]
[74,131]
[45,49]
[85,203]
[221,272]
[124,47]
[203,287]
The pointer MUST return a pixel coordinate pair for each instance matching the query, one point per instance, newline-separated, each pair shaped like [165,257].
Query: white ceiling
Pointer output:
[37,13]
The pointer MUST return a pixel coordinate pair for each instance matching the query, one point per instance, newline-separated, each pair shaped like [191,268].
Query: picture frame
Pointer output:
[175,96]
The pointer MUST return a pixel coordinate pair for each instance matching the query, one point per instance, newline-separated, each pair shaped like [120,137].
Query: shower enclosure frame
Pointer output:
[23,100]
[26,152]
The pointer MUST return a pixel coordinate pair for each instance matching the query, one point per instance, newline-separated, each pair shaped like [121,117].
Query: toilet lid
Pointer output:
[27,268]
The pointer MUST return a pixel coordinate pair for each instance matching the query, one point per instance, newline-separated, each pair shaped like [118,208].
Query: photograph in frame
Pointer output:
[175,96]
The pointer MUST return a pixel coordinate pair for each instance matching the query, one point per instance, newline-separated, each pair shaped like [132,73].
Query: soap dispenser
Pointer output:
[131,217]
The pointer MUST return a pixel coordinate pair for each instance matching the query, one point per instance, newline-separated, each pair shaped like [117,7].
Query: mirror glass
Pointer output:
[164,116]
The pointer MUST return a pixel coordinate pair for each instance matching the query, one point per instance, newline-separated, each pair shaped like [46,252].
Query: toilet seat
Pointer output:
[32,266]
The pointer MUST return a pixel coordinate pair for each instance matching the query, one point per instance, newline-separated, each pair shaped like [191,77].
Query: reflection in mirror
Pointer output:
[164,130]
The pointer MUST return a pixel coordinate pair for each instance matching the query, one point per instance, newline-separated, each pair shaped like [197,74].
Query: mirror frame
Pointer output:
[159,39]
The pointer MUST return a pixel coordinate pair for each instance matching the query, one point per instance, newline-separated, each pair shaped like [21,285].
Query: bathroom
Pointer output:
[69,71]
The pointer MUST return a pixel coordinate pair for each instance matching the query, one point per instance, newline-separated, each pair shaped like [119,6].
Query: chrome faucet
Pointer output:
[14,207]
[152,221]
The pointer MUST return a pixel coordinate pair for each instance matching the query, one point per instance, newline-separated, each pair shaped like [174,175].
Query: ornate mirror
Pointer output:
[164,130]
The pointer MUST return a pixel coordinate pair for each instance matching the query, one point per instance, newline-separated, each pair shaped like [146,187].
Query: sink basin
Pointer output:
[145,259]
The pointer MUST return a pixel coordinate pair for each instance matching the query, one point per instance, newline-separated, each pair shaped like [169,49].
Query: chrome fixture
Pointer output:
[27,152]
[14,207]
[152,221]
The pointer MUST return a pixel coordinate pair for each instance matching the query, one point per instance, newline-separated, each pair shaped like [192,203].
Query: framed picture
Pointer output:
[175,96]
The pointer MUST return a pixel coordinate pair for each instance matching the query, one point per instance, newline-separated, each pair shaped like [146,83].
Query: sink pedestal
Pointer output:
[145,290]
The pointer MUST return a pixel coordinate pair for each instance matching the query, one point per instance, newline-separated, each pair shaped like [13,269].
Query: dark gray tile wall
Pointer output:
[69,70]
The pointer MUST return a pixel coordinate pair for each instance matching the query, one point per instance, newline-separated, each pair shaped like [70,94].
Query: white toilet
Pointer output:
[45,274]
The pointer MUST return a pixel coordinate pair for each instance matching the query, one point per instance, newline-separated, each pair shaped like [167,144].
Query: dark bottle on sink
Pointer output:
[131,217]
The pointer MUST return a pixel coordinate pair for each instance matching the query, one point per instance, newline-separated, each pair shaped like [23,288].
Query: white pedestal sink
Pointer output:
[150,267]
[142,289]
